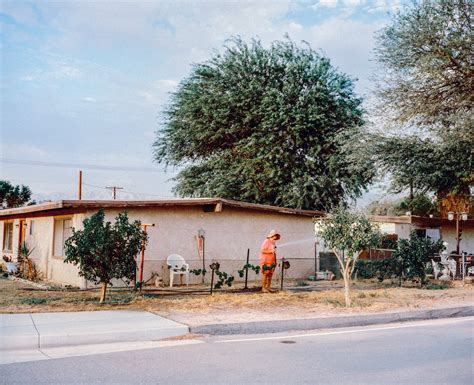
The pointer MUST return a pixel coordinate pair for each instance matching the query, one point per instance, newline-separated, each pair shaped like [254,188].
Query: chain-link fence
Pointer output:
[243,270]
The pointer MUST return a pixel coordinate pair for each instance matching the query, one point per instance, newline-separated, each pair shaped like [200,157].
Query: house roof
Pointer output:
[421,221]
[63,207]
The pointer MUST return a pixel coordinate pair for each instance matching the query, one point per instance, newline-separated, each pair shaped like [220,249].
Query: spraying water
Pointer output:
[298,242]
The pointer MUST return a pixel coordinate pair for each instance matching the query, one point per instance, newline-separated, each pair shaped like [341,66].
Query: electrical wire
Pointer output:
[79,165]
[130,192]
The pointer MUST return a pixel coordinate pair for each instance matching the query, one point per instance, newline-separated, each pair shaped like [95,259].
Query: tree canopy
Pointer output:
[104,251]
[426,93]
[427,77]
[12,196]
[265,125]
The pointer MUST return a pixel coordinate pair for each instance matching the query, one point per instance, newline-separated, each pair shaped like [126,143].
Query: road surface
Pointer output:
[425,352]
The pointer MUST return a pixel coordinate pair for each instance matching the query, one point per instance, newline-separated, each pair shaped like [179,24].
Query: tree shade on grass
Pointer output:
[265,125]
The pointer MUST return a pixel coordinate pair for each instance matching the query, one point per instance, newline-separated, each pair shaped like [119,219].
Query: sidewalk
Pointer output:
[62,329]
[74,329]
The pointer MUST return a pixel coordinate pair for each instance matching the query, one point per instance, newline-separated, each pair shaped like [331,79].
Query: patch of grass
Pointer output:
[301,282]
[373,294]
[361,295]
[33,300]
[150,295]
[334,302]
[436,286]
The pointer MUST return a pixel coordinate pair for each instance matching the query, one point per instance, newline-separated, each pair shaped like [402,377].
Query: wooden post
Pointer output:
[457,233]
[204,258]
[282,272]
[80,185]
[142,260]
[212,281]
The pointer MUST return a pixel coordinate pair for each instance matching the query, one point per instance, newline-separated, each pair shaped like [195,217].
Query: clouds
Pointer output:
[102,71]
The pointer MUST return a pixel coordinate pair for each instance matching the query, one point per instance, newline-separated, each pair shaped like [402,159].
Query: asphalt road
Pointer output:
[427,352]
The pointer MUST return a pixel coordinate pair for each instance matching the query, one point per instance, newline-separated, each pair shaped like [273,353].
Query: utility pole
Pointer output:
[114,189]
[80,185]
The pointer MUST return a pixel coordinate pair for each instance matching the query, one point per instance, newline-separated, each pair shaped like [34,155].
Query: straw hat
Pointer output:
[274,233]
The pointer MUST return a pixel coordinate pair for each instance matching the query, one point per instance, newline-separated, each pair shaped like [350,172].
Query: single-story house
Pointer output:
[228,228]
[433,227]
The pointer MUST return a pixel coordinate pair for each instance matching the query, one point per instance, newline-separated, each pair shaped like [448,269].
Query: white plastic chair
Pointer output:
[436,269]
[452,267]
[177,266]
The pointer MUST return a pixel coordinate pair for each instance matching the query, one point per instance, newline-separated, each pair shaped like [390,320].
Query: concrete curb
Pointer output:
[331,322]
[61,329]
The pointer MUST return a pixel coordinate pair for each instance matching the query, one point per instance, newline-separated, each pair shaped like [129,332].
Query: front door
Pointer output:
[21,234]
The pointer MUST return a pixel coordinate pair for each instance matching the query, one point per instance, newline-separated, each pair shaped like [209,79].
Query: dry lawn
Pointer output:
[367,297]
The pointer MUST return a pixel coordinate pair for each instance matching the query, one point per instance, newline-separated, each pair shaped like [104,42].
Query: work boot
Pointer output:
[264,284]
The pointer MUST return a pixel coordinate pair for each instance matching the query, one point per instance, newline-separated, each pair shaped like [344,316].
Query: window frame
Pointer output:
[7,225]
[62,235]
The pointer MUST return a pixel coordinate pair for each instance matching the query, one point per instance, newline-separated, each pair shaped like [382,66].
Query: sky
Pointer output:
[84,83]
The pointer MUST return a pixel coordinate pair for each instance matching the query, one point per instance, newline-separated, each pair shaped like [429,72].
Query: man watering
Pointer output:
[268,260]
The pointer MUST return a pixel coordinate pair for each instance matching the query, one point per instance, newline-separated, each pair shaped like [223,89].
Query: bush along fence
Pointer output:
[409,261]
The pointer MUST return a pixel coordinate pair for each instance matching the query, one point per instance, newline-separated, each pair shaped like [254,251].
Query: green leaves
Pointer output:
[425,55]
[348,231]
[104,251]
[13,196]
[414,253]
[265,125]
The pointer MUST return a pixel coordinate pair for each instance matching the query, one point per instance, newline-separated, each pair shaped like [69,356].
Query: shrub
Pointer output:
[104,251]
[412,255]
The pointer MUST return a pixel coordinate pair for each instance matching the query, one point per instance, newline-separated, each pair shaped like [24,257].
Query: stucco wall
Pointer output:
[39,236]
[448,234]
[228,236]
[401,229]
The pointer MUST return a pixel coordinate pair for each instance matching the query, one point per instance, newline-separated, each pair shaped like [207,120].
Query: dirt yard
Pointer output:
[197,309]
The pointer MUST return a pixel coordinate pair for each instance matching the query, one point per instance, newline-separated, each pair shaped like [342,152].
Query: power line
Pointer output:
[131,192]
[79,165]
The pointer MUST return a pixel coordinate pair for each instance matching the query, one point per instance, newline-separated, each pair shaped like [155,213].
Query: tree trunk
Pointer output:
[347,280]
[103,291]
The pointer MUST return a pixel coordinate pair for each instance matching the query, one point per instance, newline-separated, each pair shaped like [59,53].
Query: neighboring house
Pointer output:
[435,228]
[230,228]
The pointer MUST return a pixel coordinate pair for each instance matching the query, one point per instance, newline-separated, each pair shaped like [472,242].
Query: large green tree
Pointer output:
[104,251]
[426,71]
[265,125]
[426,93]
[12,196]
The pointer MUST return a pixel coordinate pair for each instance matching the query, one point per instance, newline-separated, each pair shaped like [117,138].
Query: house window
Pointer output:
[8,237]
[62,231]
[32,226]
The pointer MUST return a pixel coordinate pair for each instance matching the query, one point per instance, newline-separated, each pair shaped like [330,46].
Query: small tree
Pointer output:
[104,251]
[347,234]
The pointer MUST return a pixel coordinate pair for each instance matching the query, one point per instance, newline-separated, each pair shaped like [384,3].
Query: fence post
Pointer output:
[282,272]
[247,269]
[212,281]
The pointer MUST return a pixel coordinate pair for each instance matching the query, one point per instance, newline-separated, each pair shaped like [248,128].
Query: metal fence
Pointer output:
[300,268]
